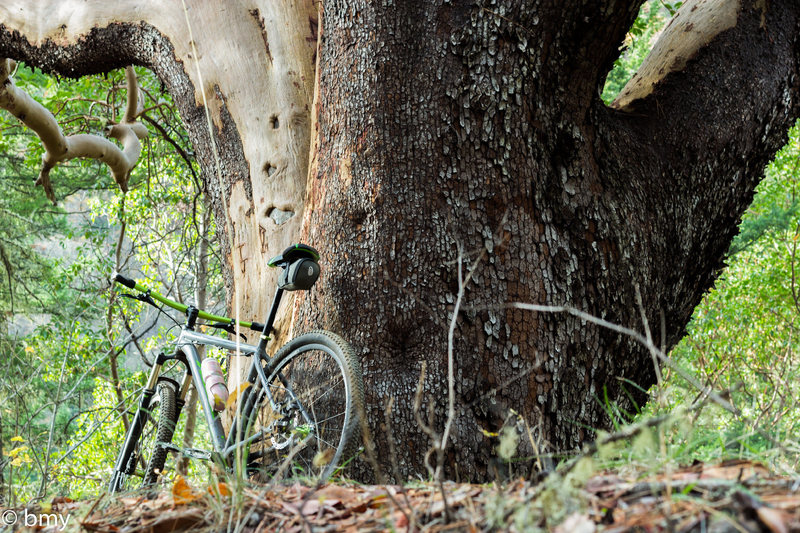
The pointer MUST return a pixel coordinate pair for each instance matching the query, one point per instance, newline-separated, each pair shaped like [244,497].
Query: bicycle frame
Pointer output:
[186,352]
[187,342]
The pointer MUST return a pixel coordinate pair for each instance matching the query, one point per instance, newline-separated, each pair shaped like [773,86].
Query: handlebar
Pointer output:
[131,284]
[119,278]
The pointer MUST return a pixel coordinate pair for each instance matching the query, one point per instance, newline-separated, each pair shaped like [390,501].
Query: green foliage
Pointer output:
[743,339]
[742,342]
[652,17]
[58,394]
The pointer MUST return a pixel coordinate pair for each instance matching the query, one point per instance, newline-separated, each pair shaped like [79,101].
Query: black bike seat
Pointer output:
[294,252]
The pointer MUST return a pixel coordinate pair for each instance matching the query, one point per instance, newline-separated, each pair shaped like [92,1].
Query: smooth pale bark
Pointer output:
[444,125]
[694,27]
[200,300]
[249,65]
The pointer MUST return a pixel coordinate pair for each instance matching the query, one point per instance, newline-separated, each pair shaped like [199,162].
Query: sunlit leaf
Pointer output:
[323,457]
[16,451]
[182,493]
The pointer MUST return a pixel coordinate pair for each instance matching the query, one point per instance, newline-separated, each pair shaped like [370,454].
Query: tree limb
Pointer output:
[59,148]
[693,28]
[685,150]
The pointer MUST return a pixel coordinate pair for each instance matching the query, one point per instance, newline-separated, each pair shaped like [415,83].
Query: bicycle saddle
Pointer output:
[293,253]
[300,267]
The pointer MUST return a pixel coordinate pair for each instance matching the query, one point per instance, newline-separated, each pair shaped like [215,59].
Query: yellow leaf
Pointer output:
[323,458]
[17,439]
[21,459]
[235,393]
[508,443]
[182,492]
[217,401]
[16,451]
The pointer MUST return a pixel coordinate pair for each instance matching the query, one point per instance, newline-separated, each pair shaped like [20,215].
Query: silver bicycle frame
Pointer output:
[187,344]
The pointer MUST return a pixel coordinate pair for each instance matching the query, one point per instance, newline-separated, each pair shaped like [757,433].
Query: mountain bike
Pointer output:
[297,409]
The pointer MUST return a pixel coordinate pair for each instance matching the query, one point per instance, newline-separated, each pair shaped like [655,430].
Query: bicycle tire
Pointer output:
[159,426]
[312,430]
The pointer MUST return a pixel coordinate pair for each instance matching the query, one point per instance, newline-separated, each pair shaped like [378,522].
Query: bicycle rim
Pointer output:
[308,413]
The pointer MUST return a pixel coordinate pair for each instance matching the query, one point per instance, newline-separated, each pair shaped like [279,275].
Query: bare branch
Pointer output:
[59,148]
[134,105]
[700,23]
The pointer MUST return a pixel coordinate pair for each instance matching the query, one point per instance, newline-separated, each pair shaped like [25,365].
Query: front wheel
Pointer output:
[310,409]
[143,455]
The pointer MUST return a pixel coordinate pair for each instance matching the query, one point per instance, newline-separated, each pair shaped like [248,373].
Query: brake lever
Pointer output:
[140,297]
[227,327]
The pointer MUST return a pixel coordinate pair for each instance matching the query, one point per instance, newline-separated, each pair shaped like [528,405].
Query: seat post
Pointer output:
[261,347]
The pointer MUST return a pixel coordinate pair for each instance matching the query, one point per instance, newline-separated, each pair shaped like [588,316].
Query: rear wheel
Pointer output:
[146,459]
[308,415]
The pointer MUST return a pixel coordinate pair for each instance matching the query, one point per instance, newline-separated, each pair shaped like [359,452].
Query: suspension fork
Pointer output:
[124,463]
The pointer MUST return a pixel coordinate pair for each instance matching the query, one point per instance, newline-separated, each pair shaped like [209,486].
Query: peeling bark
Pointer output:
[442,124]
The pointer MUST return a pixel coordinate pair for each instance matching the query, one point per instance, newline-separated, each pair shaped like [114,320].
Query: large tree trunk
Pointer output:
[481,129]
[444,126]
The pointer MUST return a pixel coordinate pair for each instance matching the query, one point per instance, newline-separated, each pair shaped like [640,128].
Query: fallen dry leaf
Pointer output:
[775,519]
[221,489]
[183,520]
[636,500]
[576,523]
[182,493]
[335,492]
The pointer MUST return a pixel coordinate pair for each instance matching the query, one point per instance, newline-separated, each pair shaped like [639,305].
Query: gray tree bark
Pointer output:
[481,128]
[448,125]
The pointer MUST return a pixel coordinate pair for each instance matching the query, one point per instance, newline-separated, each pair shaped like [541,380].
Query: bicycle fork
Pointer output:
[126,460]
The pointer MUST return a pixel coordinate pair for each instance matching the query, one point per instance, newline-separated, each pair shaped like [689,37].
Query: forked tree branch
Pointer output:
[60,148]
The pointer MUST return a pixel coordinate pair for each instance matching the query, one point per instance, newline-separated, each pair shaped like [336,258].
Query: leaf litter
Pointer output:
[735,496]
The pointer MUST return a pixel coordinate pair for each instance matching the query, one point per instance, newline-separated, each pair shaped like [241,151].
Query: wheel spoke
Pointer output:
[311,384]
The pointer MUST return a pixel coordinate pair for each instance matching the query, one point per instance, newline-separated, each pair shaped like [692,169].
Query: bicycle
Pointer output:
[296,409]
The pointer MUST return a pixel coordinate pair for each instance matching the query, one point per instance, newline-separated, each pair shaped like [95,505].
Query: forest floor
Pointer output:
[733,496]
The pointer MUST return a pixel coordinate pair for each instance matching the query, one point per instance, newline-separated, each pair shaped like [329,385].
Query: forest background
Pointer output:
[75,353]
